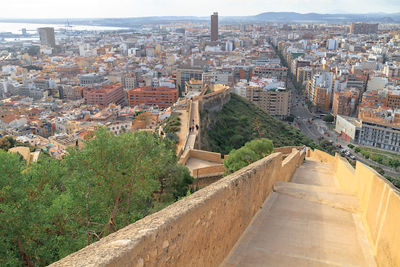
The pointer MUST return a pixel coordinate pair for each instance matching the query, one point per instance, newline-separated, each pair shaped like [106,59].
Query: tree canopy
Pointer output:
[249,153]
[328,118]
[52,208]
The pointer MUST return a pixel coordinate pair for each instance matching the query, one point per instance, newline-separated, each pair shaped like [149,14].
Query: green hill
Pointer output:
[241,121]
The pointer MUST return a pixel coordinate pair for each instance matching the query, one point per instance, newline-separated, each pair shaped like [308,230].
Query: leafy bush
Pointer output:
[328,118]
[350,146]
[357,150]
[249,153]
[262,147]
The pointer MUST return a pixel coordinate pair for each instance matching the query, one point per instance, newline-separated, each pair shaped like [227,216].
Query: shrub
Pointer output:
[249,153]
[262,147]
[328,118]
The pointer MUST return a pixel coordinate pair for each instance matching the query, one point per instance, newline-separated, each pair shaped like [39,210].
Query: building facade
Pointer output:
[345,103]
[214,27]
[363,28]
[105,95]
[185,74]
[380,136]
[163,97]
[274,101]
[47,36]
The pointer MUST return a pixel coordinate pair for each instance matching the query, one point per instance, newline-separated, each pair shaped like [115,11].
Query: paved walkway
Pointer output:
[194,163]
[306,222]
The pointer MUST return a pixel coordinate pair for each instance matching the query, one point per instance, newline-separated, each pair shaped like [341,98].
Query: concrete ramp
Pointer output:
[307,222]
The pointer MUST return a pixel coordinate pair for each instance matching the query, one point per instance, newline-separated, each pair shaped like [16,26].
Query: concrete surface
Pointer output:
[309,222]
[194,163]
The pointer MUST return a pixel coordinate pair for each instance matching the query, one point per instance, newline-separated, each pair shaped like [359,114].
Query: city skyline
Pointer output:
[133,8]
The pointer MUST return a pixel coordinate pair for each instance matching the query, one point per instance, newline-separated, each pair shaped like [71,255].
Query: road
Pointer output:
[318,128]
[302,115]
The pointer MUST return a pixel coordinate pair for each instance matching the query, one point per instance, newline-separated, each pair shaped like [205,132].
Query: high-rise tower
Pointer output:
[214,27]
[47,36]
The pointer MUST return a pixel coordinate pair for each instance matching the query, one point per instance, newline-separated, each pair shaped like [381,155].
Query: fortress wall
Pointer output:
[199,230]
[322,156]
[206,155]
[290,164]
[380,206]
[215,101]
[184,157]
[286,149]
[207,171]
[343,171]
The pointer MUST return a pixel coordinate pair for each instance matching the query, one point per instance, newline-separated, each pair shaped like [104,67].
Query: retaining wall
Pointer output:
[199,230]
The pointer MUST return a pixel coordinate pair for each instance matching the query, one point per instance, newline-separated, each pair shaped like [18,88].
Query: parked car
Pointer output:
[352,157]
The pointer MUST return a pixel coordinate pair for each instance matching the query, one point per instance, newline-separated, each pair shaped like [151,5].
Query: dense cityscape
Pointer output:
[177,105]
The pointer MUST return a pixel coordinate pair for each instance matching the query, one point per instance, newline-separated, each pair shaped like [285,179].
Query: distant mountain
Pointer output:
[317,17]
[280,17]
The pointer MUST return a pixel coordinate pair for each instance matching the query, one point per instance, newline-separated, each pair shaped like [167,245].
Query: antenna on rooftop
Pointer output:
[68,26]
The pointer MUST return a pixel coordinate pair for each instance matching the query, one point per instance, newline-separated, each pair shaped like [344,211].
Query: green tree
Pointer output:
[249,153]
[7,142]
[262,147]
[328,118]
[240,158]
[52,208]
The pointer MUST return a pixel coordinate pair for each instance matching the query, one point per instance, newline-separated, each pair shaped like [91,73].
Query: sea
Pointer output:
[31,28]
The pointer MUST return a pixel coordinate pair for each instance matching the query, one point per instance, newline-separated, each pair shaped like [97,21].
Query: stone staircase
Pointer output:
[306,222]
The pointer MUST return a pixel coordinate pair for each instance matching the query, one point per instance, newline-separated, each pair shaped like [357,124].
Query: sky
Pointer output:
[143,8]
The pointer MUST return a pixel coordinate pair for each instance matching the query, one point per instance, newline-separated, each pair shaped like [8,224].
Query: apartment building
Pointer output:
[271,72]
[379,135]
[104,95]
[345,103]
[163,97]
[275,101]
[363,28]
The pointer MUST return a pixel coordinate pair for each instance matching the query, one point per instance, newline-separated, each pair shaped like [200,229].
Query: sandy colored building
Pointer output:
[345,103]
[274,101]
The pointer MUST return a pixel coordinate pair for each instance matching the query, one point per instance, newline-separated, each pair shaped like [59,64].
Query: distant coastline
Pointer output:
[282,17]
[31,27]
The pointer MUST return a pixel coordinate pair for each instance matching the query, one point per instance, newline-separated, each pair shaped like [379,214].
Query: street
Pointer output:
[318,128]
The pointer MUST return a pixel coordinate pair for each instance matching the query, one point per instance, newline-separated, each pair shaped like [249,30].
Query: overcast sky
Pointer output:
[140,8]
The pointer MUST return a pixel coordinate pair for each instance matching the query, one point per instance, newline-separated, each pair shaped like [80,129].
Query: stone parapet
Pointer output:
[199,230]
[379,204]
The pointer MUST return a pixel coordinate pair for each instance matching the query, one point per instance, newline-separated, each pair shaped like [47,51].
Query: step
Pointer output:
[329,196]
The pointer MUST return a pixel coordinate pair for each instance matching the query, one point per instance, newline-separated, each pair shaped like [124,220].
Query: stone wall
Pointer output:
[201,154]
[290,164]
[380,206]
[199,230]
[285,150]
[208,171]
[215,101]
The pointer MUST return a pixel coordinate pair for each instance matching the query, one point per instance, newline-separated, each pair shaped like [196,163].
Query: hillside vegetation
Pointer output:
[241,121]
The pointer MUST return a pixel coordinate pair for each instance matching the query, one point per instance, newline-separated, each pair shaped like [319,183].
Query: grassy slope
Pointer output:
[235,126]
